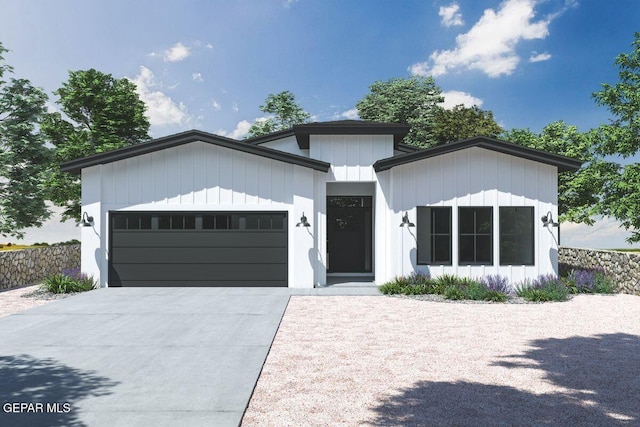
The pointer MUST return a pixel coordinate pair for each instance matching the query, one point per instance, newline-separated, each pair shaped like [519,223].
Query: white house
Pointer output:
[323,199]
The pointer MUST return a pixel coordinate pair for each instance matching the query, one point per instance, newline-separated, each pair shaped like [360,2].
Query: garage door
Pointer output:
[198,249]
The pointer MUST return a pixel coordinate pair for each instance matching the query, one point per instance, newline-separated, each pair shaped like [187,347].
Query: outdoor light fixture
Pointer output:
[303,222]
[87,221]
[406,222]
[547,220]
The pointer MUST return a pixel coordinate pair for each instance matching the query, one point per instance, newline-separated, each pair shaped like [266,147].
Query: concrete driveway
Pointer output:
[138,356]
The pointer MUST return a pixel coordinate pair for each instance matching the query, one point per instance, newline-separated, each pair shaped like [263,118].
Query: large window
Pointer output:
[475,235]
[434,235]
[516,236]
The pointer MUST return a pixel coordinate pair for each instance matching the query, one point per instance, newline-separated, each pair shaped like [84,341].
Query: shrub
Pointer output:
[441,283]
[589,281]
[603,284]
[414,284]
[70,280]
[497,283]
[545,288]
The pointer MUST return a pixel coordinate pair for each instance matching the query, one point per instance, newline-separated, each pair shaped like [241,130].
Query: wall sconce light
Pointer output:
[303,222]
[547,220]
[406,222]
[87,221]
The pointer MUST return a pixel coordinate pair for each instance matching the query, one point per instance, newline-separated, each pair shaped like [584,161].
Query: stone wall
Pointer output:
[30,266]
[623,267]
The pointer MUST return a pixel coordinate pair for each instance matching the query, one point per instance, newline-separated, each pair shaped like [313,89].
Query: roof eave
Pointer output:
[563,163]
[76,166]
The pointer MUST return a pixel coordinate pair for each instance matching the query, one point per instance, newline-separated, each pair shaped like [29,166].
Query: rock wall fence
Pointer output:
[623,267]
[30,266]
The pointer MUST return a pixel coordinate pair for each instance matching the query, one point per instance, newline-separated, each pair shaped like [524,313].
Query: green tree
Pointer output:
[461,122]
[286,113]
[23,155]
[99,113]
[580,192]
[621,137]
[413,101]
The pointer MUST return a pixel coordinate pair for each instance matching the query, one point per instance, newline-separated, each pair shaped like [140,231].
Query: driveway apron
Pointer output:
[137,356]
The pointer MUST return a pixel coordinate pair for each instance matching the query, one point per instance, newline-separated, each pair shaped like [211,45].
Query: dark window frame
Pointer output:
[531,230]
[475,235]
[431,234]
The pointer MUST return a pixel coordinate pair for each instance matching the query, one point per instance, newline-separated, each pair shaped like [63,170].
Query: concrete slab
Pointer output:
[142,356]
[127,356]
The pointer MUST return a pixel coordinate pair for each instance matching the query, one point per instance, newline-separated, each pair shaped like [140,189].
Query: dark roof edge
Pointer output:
[408,148]
[76,166]
[563,163]
[349,127]
[257,140]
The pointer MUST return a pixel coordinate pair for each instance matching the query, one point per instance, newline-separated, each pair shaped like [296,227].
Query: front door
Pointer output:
[349,238]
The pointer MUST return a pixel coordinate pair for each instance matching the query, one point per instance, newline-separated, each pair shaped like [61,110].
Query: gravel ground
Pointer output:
[349,361]
[23,298]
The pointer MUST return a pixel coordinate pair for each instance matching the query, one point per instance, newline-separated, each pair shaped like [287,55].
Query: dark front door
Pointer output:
[349,235]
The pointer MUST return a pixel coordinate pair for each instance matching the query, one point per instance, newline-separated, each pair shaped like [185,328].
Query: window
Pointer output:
[434,235]
[516,236]
[132,222]
[475,235]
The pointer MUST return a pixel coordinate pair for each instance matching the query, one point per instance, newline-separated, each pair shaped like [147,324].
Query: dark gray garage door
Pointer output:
[198,249]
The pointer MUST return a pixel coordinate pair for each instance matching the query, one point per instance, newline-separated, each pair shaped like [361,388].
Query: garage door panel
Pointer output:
[218,255]
[205,283]
[198,249]
[177,272]
[197,238]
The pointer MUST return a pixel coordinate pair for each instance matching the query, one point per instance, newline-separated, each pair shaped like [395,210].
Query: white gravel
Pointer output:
[347,361]
[23,298]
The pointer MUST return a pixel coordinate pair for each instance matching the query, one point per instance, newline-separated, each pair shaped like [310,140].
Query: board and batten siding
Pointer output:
[193,177]
[351,156]
[288,144]
[474,177]
[197,173]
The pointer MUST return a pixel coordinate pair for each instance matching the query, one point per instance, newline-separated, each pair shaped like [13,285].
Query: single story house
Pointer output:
[293,208]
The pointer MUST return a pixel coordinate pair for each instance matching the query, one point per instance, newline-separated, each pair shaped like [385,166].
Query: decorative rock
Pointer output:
[622,267]
[30,266]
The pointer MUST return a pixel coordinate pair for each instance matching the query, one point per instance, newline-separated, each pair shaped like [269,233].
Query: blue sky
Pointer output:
[209,64]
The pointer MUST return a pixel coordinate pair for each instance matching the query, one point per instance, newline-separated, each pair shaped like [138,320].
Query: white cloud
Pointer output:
[177,52]
[197,77]
[241,130]
[456,97]
[161,109]
[450,15]
[490,45]
[539,57]
[606,233]
[216,105]
[351,114]
[288,3]
[235,108]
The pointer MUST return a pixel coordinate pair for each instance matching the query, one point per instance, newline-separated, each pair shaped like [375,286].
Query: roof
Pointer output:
[349,127]
[76,166]
[339,127]
[563,163]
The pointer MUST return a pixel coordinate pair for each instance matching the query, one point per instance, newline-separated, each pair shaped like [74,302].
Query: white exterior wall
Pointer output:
[288,145]
[196,177]
[472,177]
[351,158]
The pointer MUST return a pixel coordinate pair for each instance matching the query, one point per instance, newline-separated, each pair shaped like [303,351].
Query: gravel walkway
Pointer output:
[23,298]
[351,361]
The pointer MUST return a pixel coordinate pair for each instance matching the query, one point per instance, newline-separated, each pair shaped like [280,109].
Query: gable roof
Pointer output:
[563,163]
[339,127]
[76,166]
